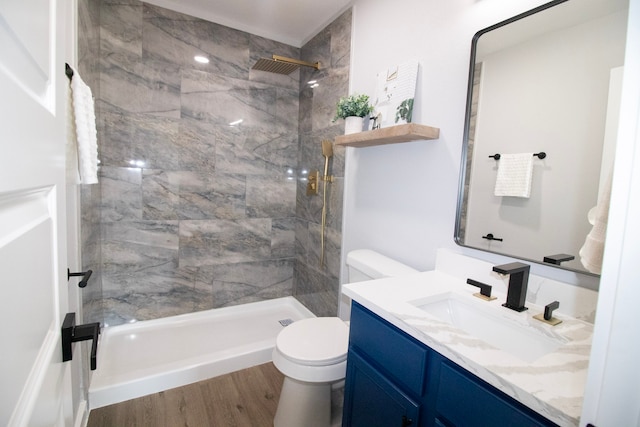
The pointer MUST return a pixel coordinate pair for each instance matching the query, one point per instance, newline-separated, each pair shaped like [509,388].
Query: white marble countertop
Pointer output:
[552,385]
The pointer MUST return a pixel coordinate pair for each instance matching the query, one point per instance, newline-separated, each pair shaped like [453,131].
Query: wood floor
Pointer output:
[246,398]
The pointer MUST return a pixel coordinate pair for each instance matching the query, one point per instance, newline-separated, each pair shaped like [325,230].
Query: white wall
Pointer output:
[401,199]
[612,396]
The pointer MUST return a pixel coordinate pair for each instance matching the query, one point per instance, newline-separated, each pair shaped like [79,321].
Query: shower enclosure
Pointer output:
[202,195]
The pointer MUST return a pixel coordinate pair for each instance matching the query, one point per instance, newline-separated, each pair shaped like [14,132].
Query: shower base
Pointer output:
[147,357]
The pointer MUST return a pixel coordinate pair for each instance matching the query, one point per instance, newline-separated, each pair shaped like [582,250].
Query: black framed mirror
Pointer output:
[545,81]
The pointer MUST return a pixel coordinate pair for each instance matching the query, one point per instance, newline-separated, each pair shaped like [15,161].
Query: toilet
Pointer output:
[312,353]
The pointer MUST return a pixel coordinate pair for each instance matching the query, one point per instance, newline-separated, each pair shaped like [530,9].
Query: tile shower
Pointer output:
[192,213]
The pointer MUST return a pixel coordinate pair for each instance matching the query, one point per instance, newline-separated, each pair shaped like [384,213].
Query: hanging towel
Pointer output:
[514,175]
[73,175]
[593,249]
[86,135]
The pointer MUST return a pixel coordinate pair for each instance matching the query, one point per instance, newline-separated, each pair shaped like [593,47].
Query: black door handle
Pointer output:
[72,333]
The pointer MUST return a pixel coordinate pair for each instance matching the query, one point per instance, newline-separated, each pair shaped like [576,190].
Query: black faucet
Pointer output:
[518,279]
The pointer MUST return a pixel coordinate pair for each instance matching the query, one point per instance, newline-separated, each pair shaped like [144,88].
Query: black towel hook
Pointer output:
[85,277]
[490,236]
[68,71]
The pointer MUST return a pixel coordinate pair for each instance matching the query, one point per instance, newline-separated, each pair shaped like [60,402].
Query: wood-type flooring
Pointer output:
[246,398]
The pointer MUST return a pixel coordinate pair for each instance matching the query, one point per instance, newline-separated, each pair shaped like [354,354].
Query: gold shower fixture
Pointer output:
[282,65]
[327,152]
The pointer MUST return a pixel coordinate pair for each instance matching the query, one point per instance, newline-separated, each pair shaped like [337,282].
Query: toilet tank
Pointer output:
[365,264]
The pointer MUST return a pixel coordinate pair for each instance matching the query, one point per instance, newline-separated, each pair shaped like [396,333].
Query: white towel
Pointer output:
[514,175]
[85,120]
[593,249]
[73,175]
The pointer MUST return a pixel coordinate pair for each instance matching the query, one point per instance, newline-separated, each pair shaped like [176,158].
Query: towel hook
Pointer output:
[84,274]
[490,236]
[68,71]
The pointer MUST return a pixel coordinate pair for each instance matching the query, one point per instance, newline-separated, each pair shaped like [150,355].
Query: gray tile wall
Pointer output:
[211,218]
[315,286]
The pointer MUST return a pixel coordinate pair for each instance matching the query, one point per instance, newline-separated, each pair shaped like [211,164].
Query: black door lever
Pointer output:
[72,333]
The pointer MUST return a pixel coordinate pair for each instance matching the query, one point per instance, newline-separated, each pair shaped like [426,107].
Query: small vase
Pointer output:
[352,124]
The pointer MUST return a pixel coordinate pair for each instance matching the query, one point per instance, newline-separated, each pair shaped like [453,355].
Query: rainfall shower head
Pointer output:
[282,65]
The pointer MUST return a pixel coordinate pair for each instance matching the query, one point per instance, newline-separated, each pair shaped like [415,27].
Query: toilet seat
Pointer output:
[318,341]
[313,350]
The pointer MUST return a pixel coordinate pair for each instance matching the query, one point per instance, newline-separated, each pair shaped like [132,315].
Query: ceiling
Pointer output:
[293,22]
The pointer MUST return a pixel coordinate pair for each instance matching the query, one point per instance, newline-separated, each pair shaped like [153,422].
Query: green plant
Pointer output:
[405,110]
[353,105]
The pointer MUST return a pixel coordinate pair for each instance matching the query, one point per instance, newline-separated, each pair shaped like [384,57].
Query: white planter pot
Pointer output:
[352,124]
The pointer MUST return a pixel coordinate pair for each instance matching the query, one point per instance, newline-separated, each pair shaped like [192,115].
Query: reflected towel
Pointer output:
[514,175]
[86,135]
[593,249]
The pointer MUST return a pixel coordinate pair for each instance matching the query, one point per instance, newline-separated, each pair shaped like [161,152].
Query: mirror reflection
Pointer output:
[544,97]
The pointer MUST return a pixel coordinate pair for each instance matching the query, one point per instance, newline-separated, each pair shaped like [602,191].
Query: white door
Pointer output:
[34,383]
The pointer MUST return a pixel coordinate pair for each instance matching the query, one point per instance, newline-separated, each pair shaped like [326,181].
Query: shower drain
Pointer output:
[285,322]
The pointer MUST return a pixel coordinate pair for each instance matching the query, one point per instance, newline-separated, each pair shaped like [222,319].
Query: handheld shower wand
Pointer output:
[327,152]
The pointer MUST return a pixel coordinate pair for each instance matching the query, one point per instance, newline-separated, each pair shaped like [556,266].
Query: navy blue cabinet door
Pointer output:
[464,400]
[371,400]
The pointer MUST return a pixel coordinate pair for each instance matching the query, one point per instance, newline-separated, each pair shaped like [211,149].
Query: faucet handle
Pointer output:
[547,316]
[485,290]
[548,309]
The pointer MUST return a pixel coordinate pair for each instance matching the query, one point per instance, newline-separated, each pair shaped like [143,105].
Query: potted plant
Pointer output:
[353,109]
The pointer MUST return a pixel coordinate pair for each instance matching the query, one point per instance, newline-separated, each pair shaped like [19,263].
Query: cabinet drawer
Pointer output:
[463,401]
[392,351]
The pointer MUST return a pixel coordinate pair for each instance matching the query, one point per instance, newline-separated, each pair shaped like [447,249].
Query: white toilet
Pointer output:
[312,353]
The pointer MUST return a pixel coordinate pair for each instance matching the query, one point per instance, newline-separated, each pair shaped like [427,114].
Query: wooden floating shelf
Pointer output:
[391,135]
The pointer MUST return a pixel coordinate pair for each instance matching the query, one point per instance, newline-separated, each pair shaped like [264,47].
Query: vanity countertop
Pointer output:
[552,385]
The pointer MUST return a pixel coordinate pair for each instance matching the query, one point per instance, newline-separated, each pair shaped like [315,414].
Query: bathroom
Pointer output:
[389,204]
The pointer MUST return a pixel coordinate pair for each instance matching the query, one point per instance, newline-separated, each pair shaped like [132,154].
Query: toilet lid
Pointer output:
[315,342]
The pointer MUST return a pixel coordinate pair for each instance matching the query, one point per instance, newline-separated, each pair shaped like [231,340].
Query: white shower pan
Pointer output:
[147,357]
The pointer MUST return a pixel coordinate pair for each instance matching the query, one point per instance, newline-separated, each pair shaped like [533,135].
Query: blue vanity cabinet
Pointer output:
[386,373]
[373,400]
[462,399]
[393,380]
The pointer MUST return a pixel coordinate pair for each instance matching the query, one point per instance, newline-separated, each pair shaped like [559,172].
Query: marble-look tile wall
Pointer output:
[194,213]
[206,219]
[315,286]
[90,195]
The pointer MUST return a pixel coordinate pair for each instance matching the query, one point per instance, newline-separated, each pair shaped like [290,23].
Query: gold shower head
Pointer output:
[327,148]
[282,65]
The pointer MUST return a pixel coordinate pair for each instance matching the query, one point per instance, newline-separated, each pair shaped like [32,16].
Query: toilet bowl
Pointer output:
[312,353]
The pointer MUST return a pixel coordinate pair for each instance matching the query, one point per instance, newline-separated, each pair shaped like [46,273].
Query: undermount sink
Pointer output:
[491,324]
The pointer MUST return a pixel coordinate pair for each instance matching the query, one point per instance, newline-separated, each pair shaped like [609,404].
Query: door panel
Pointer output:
[33,283]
